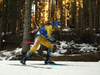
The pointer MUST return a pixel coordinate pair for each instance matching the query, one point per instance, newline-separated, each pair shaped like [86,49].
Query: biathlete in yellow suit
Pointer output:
[43,36]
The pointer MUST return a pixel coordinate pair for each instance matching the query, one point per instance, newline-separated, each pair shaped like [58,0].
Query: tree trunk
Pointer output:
[99,15]
[77,16]
[70,14]
[38,3]
[61,19]
[52,12]
[19,19]
[74,14]
[56,10]
[19,16]
[13,25]
[27,22]
[5,15]
[0,24]
[12,14]
[36,11]
[0,31]
[95,17]
[90,17]
[39,16]
[66,15]
[49,12]
[84,16]
[81,19]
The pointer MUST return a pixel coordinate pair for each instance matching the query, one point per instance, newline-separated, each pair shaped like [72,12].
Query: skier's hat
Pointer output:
[57,23]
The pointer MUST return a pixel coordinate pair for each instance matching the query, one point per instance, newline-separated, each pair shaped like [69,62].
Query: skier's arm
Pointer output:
[49,30]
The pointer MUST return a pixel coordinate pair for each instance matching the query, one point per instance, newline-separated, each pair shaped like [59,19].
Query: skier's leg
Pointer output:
[35,46]
[48,44]
[44,42]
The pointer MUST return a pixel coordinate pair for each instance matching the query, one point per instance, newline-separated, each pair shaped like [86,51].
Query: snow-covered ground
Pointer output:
[86,48]
[36,68]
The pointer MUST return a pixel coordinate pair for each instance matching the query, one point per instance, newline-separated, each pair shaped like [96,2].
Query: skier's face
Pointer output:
[56,28]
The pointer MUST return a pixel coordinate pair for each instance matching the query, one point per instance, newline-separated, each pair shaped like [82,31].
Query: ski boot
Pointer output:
[49,62]
[23,61]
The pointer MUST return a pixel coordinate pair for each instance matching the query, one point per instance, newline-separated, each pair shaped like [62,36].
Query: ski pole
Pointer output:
[38,42]
[35,22]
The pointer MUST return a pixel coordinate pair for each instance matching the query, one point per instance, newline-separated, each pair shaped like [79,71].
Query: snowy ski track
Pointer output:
[38,68]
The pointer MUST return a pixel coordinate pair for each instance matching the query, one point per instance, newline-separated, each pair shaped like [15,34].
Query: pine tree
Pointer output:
[0,23]
[90,17]
[66,14]
[77,16]
[36,11]
[19,18]
[95,17]
[70,13]
[96,14]
[61,19]
[0,31]
[80,15]
[5,6]
[99,15]
[27,24]
[84,16]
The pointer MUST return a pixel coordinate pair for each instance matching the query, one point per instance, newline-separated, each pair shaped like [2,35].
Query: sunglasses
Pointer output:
[59,26]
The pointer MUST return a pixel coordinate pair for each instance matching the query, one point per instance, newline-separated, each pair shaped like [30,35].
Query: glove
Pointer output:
[58,43]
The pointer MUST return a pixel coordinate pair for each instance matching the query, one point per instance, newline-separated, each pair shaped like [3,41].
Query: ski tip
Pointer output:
[52,64]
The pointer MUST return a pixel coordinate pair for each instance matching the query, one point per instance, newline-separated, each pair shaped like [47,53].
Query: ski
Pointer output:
[31,66]
[56,64]
[53,64]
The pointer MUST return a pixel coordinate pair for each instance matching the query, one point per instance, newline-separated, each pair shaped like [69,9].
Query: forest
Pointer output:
[18,18]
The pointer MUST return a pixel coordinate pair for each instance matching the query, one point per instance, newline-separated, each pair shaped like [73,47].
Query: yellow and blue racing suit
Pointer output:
[41,37]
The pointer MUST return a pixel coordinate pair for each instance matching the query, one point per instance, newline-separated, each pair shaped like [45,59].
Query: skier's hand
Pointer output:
[58,43]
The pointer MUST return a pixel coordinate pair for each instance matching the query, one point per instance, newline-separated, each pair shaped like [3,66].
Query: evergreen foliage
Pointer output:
[81,16]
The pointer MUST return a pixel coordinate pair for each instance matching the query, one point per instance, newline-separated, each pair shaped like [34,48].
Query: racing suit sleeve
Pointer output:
[49,31]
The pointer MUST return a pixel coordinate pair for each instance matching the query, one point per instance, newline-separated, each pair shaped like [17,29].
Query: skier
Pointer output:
[44,37]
